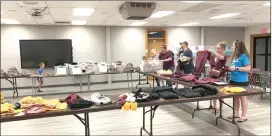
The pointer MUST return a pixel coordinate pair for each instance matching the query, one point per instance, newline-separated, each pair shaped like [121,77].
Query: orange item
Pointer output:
[134,106]
[126,106]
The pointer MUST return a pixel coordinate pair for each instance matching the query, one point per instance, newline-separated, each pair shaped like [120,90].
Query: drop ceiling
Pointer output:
[106,13]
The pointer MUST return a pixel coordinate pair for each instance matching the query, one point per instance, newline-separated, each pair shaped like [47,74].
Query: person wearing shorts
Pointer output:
[40,79]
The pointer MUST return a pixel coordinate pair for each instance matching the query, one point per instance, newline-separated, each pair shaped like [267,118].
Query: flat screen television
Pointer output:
[51,52]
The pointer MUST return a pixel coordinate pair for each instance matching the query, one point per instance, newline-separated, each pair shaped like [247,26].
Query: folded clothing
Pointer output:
[74,101]
[205,80]
[233,89]
[100,99]
[164,92]
[189,78]
[198,91]
[142,96]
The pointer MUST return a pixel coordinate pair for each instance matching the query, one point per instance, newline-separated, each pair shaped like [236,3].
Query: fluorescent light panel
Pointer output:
[267,4]
[161,14]
[79,22]
[190,24]
[191,1]
[137,23]
[227,15]
[9,21]
[83,11]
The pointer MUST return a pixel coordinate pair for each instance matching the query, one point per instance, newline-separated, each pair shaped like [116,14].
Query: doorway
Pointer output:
[262,53]
[155,39]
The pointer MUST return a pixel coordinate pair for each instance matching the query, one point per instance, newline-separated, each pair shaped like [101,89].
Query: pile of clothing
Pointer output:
[128,101]
[111,69]
[3,73]
[74,101]
[192,78]
[13,72]
[142,96]
[197,91]
[25,72]
[164,92]
[233,89]
[99,99]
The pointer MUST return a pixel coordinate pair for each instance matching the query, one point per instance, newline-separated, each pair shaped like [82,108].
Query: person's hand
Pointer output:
[210,50]
[231,68]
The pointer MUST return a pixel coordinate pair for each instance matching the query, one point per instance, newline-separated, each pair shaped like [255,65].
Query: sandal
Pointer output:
[241,120]
[230,117]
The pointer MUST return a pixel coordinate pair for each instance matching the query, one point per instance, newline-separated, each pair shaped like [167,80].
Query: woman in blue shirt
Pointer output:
[239,76]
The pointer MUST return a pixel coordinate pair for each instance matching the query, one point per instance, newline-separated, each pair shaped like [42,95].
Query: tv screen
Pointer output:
[51,52]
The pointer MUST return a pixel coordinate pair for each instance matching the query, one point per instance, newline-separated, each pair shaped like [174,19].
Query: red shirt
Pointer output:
[170,64]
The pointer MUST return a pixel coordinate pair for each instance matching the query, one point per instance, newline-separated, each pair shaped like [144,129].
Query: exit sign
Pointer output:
[264,30]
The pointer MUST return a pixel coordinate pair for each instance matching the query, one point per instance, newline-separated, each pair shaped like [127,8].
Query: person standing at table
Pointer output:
[40,79]
[167,57]
[186,59]
[240,68]
[220,60]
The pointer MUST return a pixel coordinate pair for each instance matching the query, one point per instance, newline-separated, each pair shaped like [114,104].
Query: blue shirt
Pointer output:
[40,70]
[239,76]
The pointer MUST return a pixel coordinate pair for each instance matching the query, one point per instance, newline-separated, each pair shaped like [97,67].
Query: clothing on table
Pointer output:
[188,66]
[198,91]
[142,96]
[74,101]
[164,92]
[239,76]
[99,99]
[170,64]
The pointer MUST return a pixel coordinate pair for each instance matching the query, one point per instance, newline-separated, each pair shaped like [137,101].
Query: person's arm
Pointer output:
[169,58]
[219,56]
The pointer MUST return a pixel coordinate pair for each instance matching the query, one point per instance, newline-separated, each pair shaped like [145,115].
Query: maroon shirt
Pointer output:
[166,55]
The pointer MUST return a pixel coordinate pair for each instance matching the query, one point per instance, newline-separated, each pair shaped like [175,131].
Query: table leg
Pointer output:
[152,115]
[127,80]
[80,80]
[16,88]
[13,87]
[139,81]
[85,121]
[89,82]
[233,112]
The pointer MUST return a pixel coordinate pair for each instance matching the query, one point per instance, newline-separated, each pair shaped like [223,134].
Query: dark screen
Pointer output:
[51,52]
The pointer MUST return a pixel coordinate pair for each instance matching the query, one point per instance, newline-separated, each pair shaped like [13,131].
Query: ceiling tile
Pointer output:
[109,5]
[72,4]
[61,11]
[40,4]
[95,22]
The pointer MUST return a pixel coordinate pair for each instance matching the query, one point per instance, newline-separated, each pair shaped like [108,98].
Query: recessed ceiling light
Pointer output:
[190,24]
[267,4]
[9,21]
[192,1]
[83,11]
[161,14]
[79,22]
[137,23]
[227,15]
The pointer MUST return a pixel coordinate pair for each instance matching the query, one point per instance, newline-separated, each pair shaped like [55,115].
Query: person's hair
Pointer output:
[185,42]
[239,49]
[42,63]
[163,46]
[223,44]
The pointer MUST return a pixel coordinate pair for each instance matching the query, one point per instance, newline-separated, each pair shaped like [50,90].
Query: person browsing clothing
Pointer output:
[240,67]
[155,54]
[186,59]
[167,57]
[220,61]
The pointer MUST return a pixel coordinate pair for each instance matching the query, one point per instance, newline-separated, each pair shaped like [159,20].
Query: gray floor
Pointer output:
[169,120]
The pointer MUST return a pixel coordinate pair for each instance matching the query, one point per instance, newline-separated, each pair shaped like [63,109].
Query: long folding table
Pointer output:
[153,105]
[13,80]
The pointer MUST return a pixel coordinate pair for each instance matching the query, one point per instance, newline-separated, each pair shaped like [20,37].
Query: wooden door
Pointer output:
[154,44]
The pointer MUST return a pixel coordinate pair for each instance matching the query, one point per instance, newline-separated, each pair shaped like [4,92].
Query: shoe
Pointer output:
[241,120]
[39,91]
[230,117]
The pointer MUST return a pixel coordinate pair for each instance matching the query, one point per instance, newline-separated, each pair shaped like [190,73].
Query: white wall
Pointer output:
[127,44]
[254,30]
[88,44]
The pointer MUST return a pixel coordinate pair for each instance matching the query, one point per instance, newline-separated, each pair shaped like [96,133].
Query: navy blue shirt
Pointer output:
[187,66]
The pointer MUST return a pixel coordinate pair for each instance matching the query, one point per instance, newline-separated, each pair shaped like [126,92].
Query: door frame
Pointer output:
[252,45]
[146,38]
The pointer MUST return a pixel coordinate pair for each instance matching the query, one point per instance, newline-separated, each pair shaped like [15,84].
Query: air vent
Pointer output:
[63,23]
[137,10]
[31,3]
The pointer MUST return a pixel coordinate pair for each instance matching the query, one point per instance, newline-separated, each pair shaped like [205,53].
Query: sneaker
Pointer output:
[39,91]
